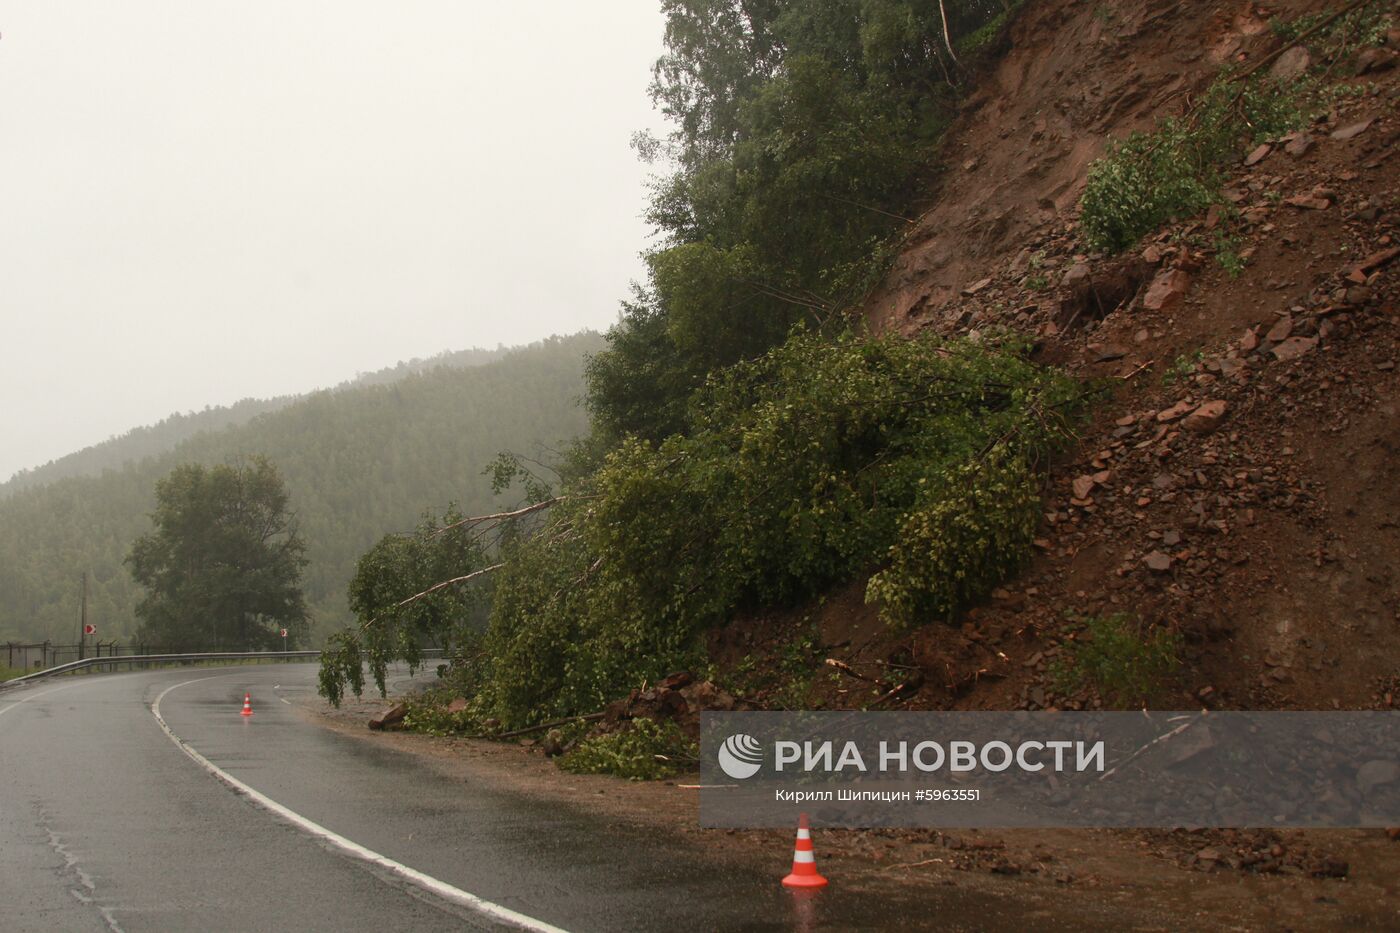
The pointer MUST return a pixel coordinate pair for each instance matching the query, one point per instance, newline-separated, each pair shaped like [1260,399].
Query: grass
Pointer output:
[1227,254]
[1123,660]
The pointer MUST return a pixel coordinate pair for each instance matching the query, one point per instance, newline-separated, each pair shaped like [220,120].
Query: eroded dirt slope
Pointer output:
[1075,74]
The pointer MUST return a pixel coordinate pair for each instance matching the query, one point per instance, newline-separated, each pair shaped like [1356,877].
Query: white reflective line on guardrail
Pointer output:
[429,654]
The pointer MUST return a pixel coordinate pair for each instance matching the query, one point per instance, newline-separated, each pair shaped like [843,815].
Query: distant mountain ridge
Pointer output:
[360,460]
[151,440]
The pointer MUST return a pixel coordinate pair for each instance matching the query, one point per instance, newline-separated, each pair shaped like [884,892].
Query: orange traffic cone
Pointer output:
[247,704]
[804,863]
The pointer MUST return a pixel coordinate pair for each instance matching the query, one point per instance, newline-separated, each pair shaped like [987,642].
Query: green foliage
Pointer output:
[1183,367]
[641,383]
[645,751]
[1175,171]
[969,529]
[358,461]
[222,569]
[342,666]
[403,599]
[801,132]
[785,681]
[9,673]
[801,470]
[1120,658]
[1227,254]
[427,712]
[981,41]
[1365,26]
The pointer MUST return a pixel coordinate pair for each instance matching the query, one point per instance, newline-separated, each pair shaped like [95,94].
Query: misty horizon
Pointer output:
[217,203]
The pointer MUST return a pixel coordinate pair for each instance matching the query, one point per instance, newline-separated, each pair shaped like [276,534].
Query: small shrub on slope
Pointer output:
[1175,171]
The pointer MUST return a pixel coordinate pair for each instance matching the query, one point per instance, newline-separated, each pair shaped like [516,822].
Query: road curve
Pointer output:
[143,801]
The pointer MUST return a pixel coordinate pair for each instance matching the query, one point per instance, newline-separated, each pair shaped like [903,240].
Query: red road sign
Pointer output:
[284,633]
[89,630]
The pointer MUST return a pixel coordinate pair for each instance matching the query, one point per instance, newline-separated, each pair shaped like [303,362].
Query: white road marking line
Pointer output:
[35,696]
[427,882]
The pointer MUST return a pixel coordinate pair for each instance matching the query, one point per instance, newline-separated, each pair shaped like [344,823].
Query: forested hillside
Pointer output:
[152,440]
[358,461]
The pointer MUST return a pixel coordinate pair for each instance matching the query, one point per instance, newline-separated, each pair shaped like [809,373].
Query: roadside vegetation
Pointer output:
[222,567]
[642,751]
[799,471]
[804,135]
[750,450]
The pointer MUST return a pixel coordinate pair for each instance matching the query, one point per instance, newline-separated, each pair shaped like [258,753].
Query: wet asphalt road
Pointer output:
[106,824]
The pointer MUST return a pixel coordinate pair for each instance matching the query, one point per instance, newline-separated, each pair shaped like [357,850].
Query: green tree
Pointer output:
[222,569]
[801,134]
[408,592]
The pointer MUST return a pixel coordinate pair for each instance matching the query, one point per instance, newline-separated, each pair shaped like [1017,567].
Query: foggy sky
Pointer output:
[209,201]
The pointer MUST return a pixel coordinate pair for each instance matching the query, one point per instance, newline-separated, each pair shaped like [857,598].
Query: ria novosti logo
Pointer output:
[740,756]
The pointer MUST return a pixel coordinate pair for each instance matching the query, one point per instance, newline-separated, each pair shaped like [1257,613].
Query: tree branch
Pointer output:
[446,583]
[501,516]
[947,38]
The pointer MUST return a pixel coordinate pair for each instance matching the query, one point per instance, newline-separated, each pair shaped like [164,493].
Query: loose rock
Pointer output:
[1207,418]
[1158,562]
[1291,65]
[1167,290]
[1295,347]
[1258,155]
[1352,131]
[391,716]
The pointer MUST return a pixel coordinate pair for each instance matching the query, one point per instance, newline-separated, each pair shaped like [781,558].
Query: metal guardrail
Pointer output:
[109,664]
